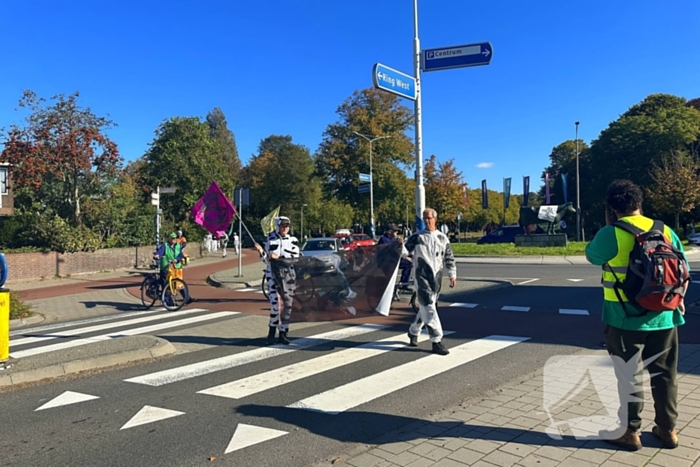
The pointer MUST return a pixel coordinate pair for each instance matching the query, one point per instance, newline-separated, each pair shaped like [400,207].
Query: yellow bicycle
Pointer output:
[173,296]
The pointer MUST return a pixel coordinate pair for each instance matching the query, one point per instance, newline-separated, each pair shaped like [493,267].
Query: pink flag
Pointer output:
[214,210]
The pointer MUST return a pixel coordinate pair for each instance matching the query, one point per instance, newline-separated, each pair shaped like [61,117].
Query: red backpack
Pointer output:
[657,272]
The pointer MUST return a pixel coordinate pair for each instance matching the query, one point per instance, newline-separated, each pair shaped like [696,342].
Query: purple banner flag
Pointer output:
[214,210]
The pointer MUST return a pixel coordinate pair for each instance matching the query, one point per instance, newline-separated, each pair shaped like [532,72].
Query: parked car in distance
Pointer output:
[505,234]
[248,242]
[342,232]
[352,241]
[321,246]
[694,238]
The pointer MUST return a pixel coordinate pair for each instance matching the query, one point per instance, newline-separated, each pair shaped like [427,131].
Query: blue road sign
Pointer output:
[394,81]
[457,56]
[365,178]
[363,189]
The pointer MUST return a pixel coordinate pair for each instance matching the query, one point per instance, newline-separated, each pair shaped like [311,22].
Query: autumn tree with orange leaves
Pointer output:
[443,188]
[61,155]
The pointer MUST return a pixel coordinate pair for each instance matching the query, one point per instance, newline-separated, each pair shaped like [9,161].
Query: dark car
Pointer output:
[504,234]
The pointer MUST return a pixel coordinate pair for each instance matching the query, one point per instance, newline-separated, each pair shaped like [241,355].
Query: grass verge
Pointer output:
[19,309]
[509,249]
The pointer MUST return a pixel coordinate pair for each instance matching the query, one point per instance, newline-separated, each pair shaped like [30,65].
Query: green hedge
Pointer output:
[509,249]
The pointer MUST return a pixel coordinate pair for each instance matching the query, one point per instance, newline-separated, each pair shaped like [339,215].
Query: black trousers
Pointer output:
[660,348]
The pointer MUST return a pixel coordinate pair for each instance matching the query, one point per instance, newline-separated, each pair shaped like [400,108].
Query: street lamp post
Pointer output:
[418,122]
[302,222]
[371,178]
[578,193]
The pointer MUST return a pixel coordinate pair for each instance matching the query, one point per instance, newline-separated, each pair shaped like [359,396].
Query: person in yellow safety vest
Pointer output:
[633,334]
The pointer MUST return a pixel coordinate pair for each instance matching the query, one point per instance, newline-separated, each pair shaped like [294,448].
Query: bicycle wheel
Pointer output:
[149,291]
[175,295]
[264,287]
[305,290]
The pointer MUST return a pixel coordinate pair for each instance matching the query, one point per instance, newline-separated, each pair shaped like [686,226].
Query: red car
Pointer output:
[352,241]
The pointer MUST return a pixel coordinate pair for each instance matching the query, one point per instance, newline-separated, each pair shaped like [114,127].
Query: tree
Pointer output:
[563,161]
[121,218]
[282,174]
[660,125]
[676,186]
[219,131]
[62,153]
[443,188]
[183,155]
[343,155]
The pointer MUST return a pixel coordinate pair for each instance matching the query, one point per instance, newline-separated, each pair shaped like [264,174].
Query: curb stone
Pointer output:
[34,319]
[214,282]
[159,348]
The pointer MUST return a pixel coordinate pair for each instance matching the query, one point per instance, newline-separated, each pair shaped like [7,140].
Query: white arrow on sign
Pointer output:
[486,53]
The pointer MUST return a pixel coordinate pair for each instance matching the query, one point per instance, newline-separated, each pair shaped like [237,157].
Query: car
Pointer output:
[505,234]
[321,246]
[694,238]
[352,241]
[248,242]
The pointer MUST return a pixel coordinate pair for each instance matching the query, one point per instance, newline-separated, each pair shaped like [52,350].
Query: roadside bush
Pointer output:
[19,309]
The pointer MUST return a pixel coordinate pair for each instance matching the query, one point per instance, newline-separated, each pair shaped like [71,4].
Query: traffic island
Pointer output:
[84,358]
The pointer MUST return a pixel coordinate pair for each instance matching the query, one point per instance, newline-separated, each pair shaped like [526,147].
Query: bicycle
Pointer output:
[175,288]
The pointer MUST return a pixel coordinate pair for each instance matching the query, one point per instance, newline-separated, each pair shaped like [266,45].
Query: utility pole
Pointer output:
[420,189]
[578,193]
[371,178]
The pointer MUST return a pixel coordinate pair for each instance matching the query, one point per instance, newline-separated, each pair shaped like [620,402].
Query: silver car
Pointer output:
[321,246]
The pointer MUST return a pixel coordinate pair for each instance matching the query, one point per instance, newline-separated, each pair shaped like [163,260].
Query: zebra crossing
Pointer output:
[360,350]
[50,338]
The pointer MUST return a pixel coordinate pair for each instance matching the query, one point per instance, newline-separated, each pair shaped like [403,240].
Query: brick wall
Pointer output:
[33,266]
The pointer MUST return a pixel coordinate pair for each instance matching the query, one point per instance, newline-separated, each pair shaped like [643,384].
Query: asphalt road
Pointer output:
[205,421]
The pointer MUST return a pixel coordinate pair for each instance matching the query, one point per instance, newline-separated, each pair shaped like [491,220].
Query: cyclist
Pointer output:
[169,253]
[182,240]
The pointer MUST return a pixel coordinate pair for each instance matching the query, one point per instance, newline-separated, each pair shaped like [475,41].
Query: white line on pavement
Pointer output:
[465,305]
[571,311]
[527,282]
[515,308]
[173,375]
[96,319]
[277,377]
[380,384]
[100,327]
[128,332]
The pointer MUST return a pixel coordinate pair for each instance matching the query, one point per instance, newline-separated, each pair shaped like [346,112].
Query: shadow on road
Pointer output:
[378,428]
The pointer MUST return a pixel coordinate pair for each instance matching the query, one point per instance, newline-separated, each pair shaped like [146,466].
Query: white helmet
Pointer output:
[279,221]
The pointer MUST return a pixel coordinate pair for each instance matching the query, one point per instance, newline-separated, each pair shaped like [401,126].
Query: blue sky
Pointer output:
[283,67]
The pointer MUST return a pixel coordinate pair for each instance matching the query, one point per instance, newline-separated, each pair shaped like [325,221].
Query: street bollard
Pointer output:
[4,324]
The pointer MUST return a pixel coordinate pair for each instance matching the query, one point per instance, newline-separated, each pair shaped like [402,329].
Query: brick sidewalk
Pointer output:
[509,426]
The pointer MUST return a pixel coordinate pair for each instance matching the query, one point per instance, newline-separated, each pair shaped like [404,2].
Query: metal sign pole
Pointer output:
[240,231]
[158,218]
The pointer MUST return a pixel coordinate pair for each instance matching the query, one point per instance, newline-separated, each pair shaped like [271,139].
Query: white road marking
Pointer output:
[248,289]
[149,414]
[364,390]
[193,370]
[465,305]
[696,282]
[68,397]
[515,308]
[100,327]
[96,319]
[248,435]
[570,311]
[128,332]
[527,282]
[280,376]
[575,280]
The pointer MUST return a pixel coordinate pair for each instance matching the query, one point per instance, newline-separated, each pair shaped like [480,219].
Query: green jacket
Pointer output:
[169,254]
[611,248]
